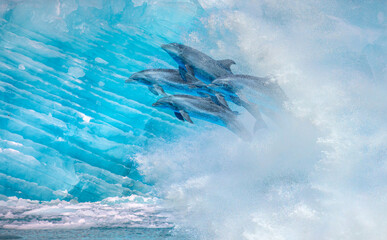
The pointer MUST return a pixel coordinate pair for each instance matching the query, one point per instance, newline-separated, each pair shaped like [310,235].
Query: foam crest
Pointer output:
[130,212]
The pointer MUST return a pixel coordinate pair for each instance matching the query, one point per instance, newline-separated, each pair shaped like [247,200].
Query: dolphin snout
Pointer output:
[129,80]
[171,48]
[166,47]
[135,77]
[156,104]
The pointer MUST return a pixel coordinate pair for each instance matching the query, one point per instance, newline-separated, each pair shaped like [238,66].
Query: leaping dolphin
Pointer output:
[197,63]
[251,92]
[187,106]
[161,80]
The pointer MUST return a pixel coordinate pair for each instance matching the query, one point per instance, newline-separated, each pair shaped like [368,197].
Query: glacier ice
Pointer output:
[69,124]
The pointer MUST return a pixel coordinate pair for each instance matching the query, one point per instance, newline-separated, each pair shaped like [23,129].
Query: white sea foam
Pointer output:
[319,176]
[133,211]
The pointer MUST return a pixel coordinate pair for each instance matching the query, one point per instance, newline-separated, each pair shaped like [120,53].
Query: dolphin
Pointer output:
[263,86]
[161,81]
[252,92]
[187,106]
[197,63]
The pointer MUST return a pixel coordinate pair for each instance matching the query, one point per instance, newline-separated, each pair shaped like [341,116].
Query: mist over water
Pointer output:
[318,173]
[321,174]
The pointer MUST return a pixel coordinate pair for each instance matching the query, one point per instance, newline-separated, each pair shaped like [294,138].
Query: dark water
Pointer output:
[95,233]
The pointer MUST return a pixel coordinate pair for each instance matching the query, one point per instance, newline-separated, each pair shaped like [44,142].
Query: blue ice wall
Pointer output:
[68,123]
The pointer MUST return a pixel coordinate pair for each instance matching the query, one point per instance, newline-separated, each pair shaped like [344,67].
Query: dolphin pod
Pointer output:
[201,87]
[160,81]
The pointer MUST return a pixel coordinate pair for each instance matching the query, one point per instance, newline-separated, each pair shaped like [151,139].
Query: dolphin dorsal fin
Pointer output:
[187,74]
[226,64]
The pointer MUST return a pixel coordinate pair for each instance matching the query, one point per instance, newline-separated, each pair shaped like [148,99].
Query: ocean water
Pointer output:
[85,156]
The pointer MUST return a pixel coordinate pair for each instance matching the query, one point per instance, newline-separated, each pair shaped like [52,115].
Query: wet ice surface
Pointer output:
[132,212]
[69,123]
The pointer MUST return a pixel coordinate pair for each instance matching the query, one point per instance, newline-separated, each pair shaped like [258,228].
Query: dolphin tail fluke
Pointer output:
[226,64]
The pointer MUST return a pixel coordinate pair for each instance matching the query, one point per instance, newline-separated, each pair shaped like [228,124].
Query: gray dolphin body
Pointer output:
[161,80]
[251,92]
[197,63]
[187,106]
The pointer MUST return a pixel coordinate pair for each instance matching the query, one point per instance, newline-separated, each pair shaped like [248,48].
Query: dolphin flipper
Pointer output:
[218,99]
[185,116]
[157,90]
[226,64]
[153,90]
[179,116]
[221,99]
